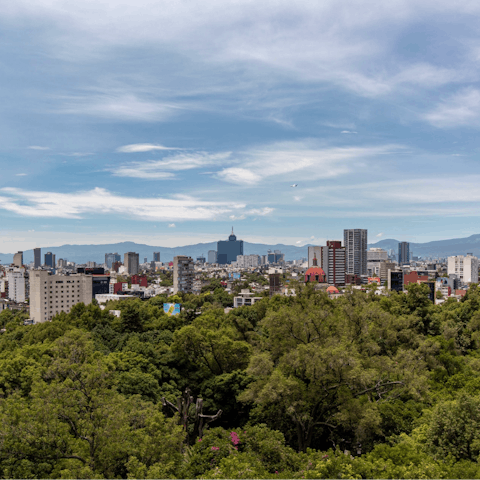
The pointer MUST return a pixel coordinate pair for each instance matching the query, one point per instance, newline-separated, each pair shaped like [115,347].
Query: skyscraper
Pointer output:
[111,258]
[331,259]
[355,242]
[156,256]
[228,250]
[37,257]
[50,260]
[183,273]
[131,262]
[403,253]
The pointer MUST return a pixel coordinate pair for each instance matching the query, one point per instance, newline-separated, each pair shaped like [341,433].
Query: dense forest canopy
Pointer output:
[363,386]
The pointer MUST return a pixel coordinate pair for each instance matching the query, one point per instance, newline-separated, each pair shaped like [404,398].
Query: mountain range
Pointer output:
[96,253]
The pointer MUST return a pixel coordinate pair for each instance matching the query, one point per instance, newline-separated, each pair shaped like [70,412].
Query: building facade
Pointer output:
[49,260]
[355,242]
[156,256]
[403,253]
[212,256]
[183,274]
[52,294]
[248,261]
[131,262]
[18,259]
[17,285]
[111,258]
[37,257]
[228,250]
[465,267]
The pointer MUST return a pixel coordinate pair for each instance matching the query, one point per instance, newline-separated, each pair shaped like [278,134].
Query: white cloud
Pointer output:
[101,201]
[171,225]
[347,131]
[20,174]
[120,106]
[142,147]
[378,235]
[297,198]
[298,160]
[461,109]
[36,147]
[166,167]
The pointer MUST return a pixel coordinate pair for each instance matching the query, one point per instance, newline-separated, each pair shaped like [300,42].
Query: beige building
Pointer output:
[465,267]
[52,294]
[18,259]
[183,274]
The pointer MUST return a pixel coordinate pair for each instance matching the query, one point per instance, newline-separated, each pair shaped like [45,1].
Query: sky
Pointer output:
[167,123]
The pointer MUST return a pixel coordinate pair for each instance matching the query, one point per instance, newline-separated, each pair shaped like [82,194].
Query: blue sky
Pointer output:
[168,122]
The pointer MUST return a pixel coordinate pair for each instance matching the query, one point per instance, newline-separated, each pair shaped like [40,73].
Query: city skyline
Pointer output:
[175,122]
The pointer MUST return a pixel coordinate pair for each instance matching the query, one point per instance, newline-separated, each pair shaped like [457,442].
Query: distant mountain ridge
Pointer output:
[96,253]
[437,248]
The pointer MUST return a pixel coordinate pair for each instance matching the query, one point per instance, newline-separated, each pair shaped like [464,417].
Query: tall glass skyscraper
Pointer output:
[228,250]
[355,242]
[403,253]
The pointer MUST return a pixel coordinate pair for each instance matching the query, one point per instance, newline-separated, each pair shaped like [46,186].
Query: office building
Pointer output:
[131,263]
[201,260]
[17,285]
[355,243]
[111,258]
[61,263]
[50,260]
[395,280]
[403,253]
[156,256]
[228,250]
[377,255]
[18,259]
[52,294]
[183,274]
[465,267]
[37,257]
[212,256]
[276,257]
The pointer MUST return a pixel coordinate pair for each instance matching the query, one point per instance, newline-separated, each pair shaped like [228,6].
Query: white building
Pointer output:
[465,267]
[52,294]
[377,255]
[248,261]
[245,298]
[16,285]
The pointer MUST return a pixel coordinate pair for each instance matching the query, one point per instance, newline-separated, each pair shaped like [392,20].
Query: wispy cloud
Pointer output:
[166,167]
[298,160]
[378,235]
[142,147]
[37,147]
[171,225]
[77,205]
[461,109]
[20,174]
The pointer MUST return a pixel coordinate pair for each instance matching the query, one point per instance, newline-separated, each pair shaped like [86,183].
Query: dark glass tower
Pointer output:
[228,250]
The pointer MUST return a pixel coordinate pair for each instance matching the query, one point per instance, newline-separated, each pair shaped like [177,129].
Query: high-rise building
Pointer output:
[50,260]
[201,260]
[145,259]
[331,259]
[212,256]
[111,258]
[228,250]
[465,267]
[276,257]
[37,257]
[131,263]
[355,242]
[52,294]
[156,256]
[16,285]
[403,253]
[18,259]
[183,274]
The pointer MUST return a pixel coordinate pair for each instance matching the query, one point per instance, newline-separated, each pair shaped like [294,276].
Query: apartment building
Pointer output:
[17,291]
[52,294]
[465,267]
[183,274]
[355,242]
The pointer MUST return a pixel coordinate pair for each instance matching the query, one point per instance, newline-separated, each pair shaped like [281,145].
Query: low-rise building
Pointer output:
[245,298]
